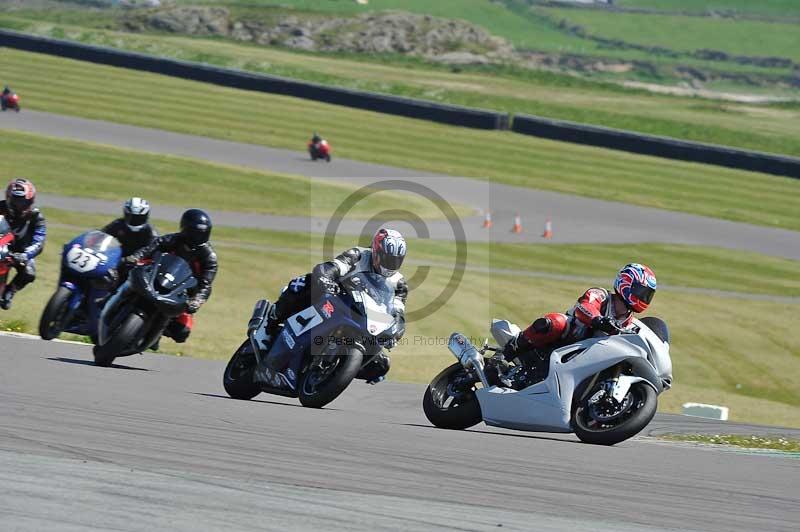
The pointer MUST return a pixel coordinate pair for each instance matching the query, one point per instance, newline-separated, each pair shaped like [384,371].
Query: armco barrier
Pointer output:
[448,114]
[395,105]
[630,141]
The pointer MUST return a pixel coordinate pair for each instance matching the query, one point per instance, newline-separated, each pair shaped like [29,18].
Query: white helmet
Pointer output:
[136,212]
[388,251]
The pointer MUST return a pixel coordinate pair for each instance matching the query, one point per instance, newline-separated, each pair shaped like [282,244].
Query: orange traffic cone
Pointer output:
[487,221]
[548,229]
[517,228]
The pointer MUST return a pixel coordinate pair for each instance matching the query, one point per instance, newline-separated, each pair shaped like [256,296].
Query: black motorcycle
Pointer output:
[137,314]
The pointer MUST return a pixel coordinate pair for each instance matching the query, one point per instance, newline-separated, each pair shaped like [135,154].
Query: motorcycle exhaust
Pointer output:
[469,357]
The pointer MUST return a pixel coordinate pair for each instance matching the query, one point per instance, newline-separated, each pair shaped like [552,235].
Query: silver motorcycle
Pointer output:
[604,389]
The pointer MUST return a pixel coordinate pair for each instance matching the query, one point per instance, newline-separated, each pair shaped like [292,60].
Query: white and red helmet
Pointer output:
[388,251]
[636,285]
[20,195]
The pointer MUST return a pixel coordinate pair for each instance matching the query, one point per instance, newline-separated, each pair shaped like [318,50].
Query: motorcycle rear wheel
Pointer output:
[460,413]
[643,408]
[52,322]
[238,377]
[121,340]
[315,393]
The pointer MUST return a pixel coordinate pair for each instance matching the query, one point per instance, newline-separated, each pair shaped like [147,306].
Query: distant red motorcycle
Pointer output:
[10,101]
[6,239]
[319,150]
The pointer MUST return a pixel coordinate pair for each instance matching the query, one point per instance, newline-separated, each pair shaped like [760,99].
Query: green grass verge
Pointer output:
[716,353]
[49,84]
[775,443]
[509,89]
[88,170]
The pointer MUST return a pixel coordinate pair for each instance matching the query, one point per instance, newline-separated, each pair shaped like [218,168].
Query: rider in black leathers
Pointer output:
[3,97]
[192,245]
[133,230]
[30,232]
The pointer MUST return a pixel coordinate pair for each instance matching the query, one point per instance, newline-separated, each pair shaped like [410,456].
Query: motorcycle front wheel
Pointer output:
[324,382]
[238,377]
[53,321]
[607,423]
[122,339]
[448,404]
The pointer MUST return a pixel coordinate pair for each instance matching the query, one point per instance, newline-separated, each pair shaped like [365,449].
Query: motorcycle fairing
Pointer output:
[87,265]
[547,405]
[360,311]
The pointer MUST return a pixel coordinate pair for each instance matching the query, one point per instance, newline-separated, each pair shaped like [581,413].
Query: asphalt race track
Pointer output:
[575,219]
[154,444]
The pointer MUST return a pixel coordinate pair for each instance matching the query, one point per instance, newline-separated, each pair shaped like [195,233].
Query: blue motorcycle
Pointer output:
[324,346]
[88,275]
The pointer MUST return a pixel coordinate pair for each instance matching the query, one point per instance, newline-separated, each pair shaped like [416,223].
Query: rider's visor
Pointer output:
[136,220]
[19,204]
[391,262]
[642,293]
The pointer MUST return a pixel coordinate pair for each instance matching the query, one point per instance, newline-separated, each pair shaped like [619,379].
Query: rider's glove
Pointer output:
[604,324]
[193,305]
[511,349]
[388,343]
[328,286]
[20,259]
[130,260]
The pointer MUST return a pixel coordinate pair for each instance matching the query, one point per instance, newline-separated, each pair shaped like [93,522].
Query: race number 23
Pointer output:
[81,261]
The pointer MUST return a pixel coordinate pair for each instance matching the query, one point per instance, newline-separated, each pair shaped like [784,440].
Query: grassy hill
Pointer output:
[580,57]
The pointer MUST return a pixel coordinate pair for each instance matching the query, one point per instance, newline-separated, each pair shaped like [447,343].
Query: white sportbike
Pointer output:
[604,389]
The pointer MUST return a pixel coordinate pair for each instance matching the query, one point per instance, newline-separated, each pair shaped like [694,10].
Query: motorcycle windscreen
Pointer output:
[378,301]
[92,254]
[172,272]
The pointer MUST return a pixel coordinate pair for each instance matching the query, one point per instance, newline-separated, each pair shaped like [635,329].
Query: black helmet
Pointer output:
[195,227]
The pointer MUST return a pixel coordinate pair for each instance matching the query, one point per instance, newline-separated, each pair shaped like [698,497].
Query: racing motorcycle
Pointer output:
[6,239]
[325,345]
[136,315]
[320,150]
[11,101]
[604,389]
[88,275]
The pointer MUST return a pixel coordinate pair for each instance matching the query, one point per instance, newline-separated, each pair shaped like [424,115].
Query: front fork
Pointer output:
[108,310]
[256,331]
[613,387]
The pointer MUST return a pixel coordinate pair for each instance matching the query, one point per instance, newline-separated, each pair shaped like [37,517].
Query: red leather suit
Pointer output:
[556,329]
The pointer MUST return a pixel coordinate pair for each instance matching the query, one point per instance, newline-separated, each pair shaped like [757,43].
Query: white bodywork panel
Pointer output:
[547,405]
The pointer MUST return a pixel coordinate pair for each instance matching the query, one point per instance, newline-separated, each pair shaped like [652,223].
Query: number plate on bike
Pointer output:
[82,260]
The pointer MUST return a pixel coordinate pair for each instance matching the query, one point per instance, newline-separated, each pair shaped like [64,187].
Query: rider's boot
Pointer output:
[8,295]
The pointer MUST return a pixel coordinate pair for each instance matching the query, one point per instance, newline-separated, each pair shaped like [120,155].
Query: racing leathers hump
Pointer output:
[202,259]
